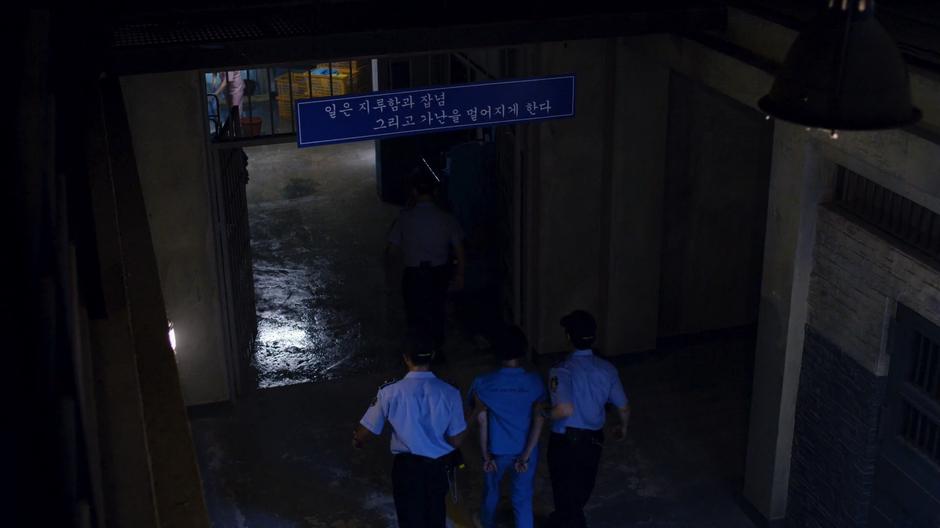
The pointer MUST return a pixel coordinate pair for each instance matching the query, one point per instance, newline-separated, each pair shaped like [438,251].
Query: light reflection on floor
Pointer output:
[317,228]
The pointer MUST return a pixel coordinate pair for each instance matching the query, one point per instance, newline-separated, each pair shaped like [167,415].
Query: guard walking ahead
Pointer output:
[426,415]
[509,402]
[425,235]
[580,387]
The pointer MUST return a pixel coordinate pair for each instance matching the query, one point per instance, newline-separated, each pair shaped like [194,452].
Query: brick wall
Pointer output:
[834,438]
[858,278]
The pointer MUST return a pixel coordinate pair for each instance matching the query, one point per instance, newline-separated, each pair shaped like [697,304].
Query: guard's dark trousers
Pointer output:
[424,289]
[573,458]
[419,486]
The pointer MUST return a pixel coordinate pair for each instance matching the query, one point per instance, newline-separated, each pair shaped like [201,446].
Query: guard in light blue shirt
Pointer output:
[426,415]
[507,404]
[581,386]
[425,235]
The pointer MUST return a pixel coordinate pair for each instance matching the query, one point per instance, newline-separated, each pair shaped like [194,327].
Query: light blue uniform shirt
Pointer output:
[425,233]
[587,382]
[508,394]
[422,409]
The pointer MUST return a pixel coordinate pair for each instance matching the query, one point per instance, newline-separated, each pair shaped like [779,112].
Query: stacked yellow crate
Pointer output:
[317,82]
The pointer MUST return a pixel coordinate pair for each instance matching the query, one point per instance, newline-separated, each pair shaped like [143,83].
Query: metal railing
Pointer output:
[267,106]
[922,433]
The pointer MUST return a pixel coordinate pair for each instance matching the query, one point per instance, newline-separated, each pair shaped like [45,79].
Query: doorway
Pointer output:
[325,307]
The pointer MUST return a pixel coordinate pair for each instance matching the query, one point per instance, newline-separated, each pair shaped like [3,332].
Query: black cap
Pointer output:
[511,344]
[579,324]
[420,348]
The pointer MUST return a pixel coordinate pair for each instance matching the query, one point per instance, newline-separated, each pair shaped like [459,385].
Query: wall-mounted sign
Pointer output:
[418,111]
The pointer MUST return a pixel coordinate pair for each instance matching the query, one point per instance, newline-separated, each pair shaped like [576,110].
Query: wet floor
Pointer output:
[325,307]
[329,333]
[282,457]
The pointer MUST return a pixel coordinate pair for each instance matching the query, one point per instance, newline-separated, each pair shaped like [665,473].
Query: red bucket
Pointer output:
[251,126]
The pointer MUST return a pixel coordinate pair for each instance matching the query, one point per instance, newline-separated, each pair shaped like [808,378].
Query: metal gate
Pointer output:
[238,277]
[907,479]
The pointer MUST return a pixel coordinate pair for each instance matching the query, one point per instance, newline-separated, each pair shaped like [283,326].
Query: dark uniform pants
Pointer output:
[424,289]
[573,458]
[419,486]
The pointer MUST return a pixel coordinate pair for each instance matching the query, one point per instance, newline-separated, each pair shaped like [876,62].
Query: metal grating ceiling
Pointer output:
[196,36]
[156,35]
[285,27]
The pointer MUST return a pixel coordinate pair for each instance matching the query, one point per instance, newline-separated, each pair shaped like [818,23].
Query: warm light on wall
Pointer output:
[172,334]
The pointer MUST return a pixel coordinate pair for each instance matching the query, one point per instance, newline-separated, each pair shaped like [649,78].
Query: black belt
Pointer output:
[422,458]
[577,435]
[426,265]
[452,459]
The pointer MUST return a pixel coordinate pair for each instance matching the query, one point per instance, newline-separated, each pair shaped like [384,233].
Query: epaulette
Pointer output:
[389,382]
[375,399]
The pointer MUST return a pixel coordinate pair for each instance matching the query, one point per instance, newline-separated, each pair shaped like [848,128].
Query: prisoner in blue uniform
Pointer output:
[581,385]
[510,427]
[426,415]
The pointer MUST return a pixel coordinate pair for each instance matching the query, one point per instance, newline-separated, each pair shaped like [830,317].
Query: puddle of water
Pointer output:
[315,244]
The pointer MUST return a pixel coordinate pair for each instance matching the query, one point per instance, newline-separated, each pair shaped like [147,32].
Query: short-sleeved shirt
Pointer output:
[509,394]
[588,383]
[425,233]
[236,87]
[422,409]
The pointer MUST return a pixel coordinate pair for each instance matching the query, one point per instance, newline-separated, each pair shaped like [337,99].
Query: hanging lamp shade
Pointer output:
[843,72]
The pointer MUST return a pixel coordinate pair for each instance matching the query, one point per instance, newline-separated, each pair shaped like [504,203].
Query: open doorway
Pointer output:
[327,305]
[306,293]
[330,315]
[324,304]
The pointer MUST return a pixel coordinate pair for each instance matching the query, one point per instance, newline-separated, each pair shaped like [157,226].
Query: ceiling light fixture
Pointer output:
[843,72]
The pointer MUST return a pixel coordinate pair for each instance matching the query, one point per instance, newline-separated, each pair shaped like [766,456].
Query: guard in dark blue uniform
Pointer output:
[425,235]
[508,402]
[580,387]
[427,419]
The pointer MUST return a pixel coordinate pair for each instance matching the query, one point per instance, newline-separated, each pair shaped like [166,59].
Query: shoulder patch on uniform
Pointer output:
[375,399]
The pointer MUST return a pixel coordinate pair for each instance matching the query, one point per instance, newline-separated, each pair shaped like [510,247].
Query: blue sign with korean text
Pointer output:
[416,111]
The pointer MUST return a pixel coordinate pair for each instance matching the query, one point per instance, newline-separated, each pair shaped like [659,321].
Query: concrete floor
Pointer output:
[329,334]
[325,306]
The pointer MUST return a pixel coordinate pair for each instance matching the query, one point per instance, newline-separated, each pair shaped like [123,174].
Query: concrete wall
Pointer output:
[905,161]
[714,210]
[858,279]
[571,181]
[593,193]
[635,200]
[166,120]
[709,177]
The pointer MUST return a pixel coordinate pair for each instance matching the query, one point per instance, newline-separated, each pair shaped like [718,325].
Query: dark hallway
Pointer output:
[330,331]
[736,204]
